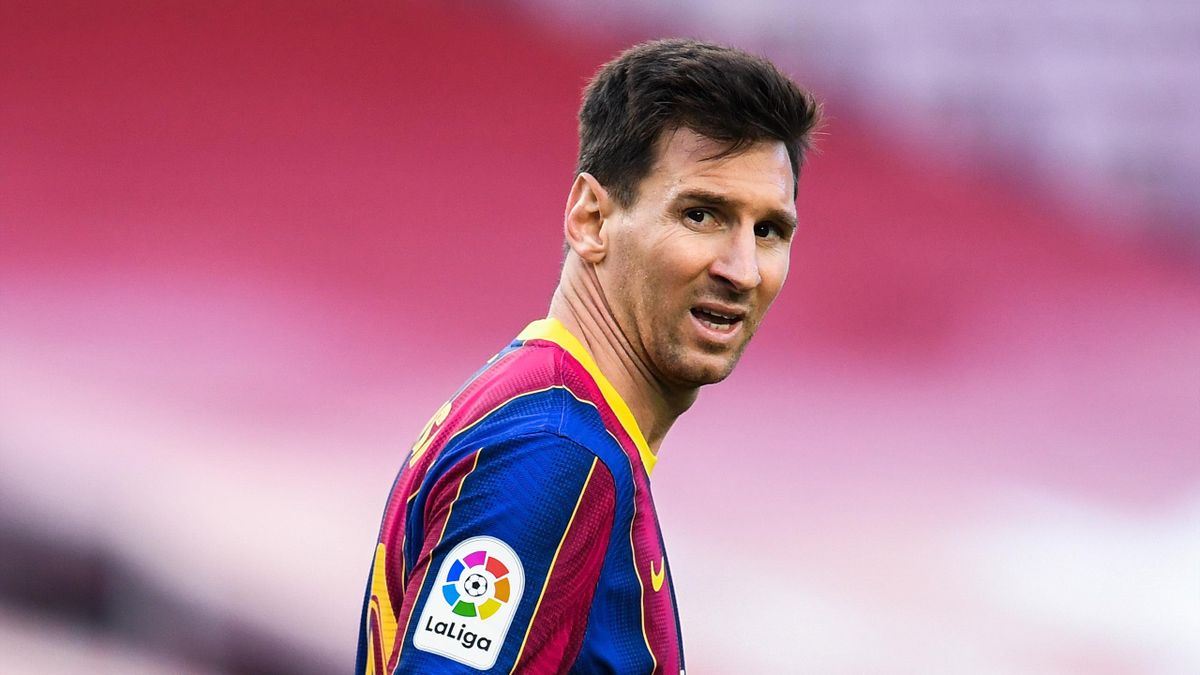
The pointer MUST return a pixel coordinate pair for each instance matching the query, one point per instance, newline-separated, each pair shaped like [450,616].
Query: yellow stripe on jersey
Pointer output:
[381,607]
[637,574]
[554,331]
[549,573]
[449,512]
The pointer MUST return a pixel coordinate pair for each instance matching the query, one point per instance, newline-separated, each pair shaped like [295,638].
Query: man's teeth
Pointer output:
[716,321]
[721,327]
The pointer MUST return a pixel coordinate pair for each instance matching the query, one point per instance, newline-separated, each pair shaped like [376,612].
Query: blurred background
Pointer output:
[247,248]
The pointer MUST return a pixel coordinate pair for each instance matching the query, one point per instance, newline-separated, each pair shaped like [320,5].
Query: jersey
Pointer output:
[520,535]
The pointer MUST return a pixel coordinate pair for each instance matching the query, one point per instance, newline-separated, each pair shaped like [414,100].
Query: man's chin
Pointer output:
[705,371]
[694,366]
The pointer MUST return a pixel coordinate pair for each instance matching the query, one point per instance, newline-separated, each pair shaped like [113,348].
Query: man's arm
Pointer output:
[514,539]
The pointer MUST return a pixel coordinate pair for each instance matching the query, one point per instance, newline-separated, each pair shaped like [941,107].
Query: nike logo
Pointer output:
[657,578]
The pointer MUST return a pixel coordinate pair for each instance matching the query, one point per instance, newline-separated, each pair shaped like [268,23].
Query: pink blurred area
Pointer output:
[247,249]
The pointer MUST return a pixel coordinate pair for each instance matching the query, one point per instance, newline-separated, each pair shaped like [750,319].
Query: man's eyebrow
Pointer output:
[777,216]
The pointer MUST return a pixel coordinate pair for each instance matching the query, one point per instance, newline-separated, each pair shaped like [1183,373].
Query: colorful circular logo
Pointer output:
[477,585]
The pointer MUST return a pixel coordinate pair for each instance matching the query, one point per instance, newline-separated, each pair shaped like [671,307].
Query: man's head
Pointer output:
[684,205]
[724,94]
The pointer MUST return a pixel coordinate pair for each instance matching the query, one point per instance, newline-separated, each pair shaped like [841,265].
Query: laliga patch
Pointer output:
[472,603]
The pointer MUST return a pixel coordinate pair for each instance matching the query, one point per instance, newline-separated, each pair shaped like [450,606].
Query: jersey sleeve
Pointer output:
[514,540]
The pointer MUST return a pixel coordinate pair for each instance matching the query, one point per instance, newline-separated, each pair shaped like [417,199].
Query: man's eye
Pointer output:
[764,229]
[697,215]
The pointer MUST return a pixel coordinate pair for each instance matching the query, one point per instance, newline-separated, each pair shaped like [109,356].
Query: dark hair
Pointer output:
[719,92]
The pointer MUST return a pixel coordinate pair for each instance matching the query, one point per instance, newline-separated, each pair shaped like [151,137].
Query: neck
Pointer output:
[580,305]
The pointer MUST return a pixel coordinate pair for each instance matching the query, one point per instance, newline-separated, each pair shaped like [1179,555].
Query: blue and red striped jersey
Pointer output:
[520,535]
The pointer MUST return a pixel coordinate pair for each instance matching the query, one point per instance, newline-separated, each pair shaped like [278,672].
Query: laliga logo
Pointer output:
[480,590]
[476,586]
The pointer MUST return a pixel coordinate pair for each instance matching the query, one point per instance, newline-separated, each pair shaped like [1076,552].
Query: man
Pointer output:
[521,535]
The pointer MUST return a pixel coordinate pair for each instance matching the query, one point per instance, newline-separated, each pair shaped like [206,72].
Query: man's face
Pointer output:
[694,263]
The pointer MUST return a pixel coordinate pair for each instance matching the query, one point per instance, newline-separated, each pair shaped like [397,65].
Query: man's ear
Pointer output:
[588,206]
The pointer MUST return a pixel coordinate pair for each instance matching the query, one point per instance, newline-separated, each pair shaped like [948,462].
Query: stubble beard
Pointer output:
[682,366]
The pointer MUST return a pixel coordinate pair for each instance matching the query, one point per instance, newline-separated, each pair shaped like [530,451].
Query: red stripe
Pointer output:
[657,607]
[560,621]
[575,377]
[437,511]
[532,369]
[376,634]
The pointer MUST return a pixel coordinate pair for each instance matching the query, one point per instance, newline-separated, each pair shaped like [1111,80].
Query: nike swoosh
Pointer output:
[657,578]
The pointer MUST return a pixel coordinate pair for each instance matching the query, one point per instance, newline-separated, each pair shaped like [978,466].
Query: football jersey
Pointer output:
[520,535]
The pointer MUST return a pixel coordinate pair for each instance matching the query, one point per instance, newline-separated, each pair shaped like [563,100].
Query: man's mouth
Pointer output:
[722,322]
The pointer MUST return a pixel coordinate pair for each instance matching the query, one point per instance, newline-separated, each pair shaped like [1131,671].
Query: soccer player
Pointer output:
[520,534]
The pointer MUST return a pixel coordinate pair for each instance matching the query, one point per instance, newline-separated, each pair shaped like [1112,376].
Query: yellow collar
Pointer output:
[554,331]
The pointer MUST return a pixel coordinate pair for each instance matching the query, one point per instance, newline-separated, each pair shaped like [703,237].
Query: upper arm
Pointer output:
[515,536]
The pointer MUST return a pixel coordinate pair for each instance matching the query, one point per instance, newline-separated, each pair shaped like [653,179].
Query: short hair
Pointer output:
[719,92]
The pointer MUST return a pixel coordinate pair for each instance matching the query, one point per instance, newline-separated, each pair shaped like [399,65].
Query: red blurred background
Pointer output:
[247,248]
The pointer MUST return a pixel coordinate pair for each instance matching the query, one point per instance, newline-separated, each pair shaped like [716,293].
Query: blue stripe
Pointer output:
[523,491]
[614,641]
[523,463]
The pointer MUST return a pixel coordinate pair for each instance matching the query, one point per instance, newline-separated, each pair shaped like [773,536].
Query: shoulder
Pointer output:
[518,413]
[536,456]
[526,490]
[513,478]
[522,394]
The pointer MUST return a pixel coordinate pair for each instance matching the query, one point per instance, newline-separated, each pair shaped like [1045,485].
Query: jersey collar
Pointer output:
[552,330]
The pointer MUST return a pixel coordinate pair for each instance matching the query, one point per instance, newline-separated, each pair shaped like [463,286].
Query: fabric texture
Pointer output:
[520,534]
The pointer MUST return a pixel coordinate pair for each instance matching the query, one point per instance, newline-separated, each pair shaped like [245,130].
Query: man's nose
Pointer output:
[737,261]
